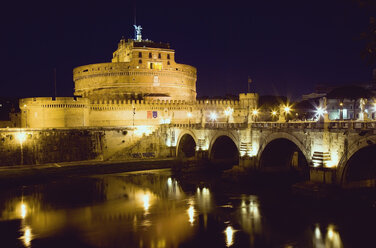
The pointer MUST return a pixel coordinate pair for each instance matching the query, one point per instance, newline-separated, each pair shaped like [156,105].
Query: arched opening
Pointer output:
[187,147]
[224,152]
[360,170]
[283,154]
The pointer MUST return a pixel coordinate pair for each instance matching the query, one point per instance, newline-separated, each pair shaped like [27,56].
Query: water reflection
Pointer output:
[250,218]
[229,236]
[27,236]
[150,209]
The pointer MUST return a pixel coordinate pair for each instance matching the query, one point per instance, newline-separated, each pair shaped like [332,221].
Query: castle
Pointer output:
[142,85]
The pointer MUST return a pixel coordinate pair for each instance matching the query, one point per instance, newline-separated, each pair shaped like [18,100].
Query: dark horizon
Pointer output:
[286,48]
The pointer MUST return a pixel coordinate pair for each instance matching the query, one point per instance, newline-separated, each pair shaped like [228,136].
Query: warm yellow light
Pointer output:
[213,116]
[169,182]
[255,112]
[141,130]
[23,210]
[189,114]
[287,109]
[274,113]
[317,232]
[229,236]
[21,137]
[26,238]
[228,111]
[330,232]
[191,214]
[146,201]
[165,121]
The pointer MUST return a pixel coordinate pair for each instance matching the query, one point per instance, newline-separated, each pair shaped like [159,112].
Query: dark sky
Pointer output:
[286,47]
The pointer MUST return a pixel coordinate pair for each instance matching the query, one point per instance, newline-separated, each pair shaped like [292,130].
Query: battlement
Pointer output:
[58,102]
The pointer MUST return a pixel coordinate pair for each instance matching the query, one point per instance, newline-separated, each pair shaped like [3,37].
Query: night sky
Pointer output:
[286,47]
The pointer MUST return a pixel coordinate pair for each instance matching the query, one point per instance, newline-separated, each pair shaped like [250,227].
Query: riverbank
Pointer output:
[29,174]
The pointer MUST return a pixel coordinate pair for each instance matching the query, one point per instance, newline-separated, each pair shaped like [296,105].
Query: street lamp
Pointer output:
[274,114]
[213,116]
[228,112]
[255,112]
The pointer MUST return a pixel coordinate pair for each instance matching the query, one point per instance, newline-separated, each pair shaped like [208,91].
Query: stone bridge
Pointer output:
[339,152]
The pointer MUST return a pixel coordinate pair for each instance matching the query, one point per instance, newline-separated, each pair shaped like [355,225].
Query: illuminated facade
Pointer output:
[142,85]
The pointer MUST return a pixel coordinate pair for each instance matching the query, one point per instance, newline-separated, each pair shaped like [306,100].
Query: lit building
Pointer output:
[141,85]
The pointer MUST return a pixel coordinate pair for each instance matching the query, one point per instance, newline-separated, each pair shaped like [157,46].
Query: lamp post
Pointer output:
[213,117]
[255,113]
[228,113]
[274,114]
[287,110]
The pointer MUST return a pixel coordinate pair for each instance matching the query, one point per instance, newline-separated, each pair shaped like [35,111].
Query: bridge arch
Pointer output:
[358,163]
[186,144]
[224,149]
[289,150]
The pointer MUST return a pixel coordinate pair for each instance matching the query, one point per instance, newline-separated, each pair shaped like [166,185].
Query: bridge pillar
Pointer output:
[247,162]
[322,175]
[202,155]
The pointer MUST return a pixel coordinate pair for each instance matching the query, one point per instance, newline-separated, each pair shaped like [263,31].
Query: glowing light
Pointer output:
[205,191]
[141,130]
[146,201]
[274,113]
[191,214]
[21,137]
[287,109]
[255,112]
[26,238]
[169,182]
[23,210]
[213,116]
[330,232]
[317,232]
[165,121]
[189,114]
[229,236]
[228,111]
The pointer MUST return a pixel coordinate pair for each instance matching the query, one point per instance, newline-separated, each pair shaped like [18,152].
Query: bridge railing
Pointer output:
[316,125]
[210,125]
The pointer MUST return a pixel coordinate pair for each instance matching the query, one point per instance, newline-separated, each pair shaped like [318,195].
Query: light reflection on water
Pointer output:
[148,209]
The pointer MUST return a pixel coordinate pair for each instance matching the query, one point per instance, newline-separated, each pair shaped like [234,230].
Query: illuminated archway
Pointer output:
[224,152]
[186,147]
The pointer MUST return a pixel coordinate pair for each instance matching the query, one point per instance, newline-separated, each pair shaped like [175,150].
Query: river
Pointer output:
[159,209]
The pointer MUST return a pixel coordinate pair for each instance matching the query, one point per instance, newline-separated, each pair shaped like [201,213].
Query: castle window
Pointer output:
[168,56]
[168,62]
[140,61]
[140,54]
[150,55]
[159,56]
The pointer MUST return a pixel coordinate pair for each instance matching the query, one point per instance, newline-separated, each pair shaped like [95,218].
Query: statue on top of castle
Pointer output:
[137,32]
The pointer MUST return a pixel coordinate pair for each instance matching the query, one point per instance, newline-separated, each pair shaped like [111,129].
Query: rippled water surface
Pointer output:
[157,209]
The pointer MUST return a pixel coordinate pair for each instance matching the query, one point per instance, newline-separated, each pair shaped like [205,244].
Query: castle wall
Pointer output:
[116,80]
[46,112]
[38,146]
[60,112]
